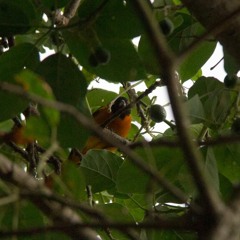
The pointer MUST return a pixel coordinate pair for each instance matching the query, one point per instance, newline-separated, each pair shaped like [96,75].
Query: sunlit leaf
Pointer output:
[100,168]
[124,63]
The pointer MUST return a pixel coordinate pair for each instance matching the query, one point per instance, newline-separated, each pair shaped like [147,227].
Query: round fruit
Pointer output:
[236,126]
[230,81]
[93,60]
[157,113]
[166,26]
[100,56]
[103,55]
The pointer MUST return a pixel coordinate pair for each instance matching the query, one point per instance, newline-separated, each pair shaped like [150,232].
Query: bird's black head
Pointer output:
[119,104]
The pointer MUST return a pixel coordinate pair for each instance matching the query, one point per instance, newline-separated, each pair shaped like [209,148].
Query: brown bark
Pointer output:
[224,15]
[62,215]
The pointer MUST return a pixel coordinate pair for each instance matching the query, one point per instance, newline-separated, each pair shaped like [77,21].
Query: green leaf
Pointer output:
[64,77]
[168,162]
[182,37]
[118,213]
[15,59]
[148,56]
[99,97]
[195,110]
[226,187]
[69,86]
[42,132]
[70,133]
[16,17]
[6,126]
[197,58]
[216,100]
[32,83]
[192,64]
[73,180]
[211,167]
[27,210]
[127,172]
[230,65]
[124,64]
[228,161]
[24,55]
[136,205]
[100,168]
[116,20]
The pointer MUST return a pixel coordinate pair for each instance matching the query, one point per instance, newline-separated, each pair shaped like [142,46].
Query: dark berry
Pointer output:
[93,60]
[166,26]
[230,81]
[102,55]
[157,113]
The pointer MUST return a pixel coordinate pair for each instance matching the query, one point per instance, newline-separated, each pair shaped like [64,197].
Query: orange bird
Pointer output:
[120,125]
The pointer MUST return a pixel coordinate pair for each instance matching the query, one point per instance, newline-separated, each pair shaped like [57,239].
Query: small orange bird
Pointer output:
[120,125]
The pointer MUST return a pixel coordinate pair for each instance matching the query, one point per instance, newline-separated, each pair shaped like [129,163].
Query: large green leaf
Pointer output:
[100,168]
[16,17]
[195,110]
[32,83]
[211,167]
[124,64]
[70,133]
[148,56]
[64,77]
[23,55]
[168,162]
[116,20]
[216,100]
[182,37]
[126,174]
[230,64]
[99,97]
[69,86]
[136,205]
[228,161]
[11,63]
[118,213]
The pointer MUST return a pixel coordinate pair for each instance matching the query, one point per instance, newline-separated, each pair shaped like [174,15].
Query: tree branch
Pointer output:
[179,223]
[175,143]
[166,61]
[109,138]
[221,19]
[61,215]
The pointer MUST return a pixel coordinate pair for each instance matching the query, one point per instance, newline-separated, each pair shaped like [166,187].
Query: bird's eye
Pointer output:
[122,104]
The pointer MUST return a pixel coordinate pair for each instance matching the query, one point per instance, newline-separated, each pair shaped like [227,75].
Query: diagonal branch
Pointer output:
[109,138]
[167,63]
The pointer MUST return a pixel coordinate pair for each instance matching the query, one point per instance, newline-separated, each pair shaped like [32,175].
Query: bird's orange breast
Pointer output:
[120,126]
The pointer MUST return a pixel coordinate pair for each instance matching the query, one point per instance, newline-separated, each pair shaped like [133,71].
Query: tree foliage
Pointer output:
[180,183]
